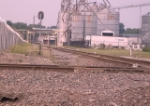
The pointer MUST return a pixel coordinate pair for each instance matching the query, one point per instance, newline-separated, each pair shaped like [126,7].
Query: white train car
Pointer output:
[114,41]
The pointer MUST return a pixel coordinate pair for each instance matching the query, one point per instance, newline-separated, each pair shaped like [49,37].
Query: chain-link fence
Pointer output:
[8,37]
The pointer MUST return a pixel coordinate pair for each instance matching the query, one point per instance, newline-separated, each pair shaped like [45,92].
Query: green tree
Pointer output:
[53,27]
[21,25]
[17,25]
[9,23]
[132,31]
[121,28]
[128,31]
[136,30]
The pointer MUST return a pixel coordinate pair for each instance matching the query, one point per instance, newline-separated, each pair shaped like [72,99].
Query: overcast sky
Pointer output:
[24,10]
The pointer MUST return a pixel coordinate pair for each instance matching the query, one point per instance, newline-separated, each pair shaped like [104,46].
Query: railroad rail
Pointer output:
[34,66]
[72,68]
[107,58]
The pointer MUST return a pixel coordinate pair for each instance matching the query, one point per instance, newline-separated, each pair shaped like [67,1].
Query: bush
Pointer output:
[94,46]
[102,46]
[21,49]
[109,46]
[146,49]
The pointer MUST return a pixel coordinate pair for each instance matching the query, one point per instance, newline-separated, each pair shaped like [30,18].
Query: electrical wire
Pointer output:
[108,3]
[105,3]
[76,9]
[95,14]
[66,10]
[63,18]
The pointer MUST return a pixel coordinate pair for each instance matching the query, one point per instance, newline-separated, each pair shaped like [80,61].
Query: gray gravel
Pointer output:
[14,58]
[78,88]
[63,58]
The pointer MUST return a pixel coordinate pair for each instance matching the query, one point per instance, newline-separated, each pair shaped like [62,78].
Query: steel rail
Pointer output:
[107,58]
[31,66]
[72,68]
[58,66]
[96,57]
[124,59]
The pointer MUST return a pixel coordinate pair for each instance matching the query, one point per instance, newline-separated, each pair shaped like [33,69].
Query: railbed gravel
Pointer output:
[63,58]
[15,58]
[78,88]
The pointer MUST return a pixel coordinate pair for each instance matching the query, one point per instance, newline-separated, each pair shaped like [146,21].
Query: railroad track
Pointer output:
[34,66]
[72,68]
[107,58]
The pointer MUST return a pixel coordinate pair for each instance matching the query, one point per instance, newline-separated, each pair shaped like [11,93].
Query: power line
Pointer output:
[133,6]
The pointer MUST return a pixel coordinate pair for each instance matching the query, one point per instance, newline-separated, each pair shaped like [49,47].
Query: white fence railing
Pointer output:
[8,37]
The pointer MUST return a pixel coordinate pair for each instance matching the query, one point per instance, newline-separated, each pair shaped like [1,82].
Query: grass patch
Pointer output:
[146,49]
[52,58]
[23,48]
[114,52]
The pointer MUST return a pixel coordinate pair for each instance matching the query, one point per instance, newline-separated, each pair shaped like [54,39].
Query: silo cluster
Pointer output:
[82,25]
[146,29]
[81,19]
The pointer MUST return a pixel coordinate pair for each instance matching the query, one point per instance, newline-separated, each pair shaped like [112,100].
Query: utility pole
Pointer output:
[33,27]
[33,21]
[76,5]
[40,16]
[40,46]
[140,22]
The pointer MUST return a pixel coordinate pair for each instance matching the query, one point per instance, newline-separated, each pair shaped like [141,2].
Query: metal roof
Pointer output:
[45,29]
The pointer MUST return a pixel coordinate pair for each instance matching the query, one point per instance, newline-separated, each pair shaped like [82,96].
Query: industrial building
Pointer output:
[146,29]
[146,23]
[27,35]
[46,36]
[84,18]
[81,22]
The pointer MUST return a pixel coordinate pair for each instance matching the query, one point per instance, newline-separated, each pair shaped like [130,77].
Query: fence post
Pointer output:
[130,50]
[40,49]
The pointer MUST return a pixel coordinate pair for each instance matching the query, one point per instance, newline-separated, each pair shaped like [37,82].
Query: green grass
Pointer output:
[146,49]
[23,48]
[114,52]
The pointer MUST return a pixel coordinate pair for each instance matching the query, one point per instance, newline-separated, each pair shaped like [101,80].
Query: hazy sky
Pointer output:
[24,10]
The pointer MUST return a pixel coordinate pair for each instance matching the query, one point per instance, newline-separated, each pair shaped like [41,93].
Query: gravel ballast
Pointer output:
[83,87]
[63,58]
[15,58]
[78,88]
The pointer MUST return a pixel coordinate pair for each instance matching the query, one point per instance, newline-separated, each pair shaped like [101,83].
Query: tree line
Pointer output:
[21,25]
[122,30]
